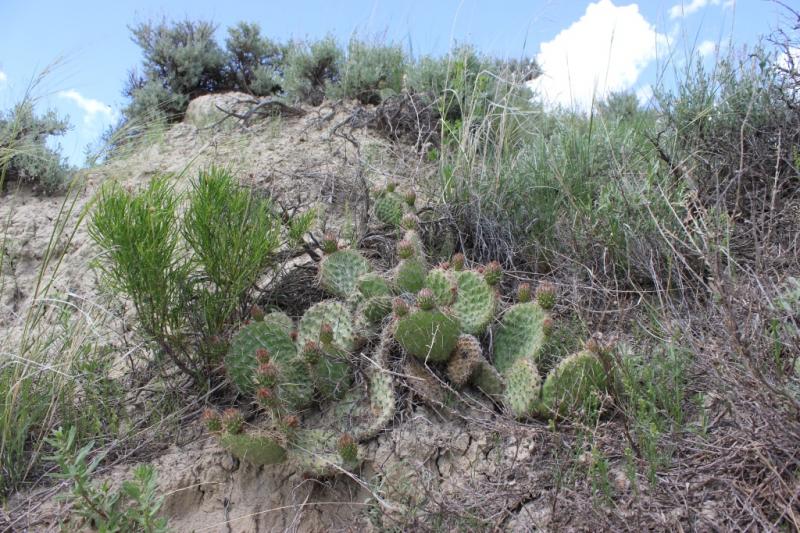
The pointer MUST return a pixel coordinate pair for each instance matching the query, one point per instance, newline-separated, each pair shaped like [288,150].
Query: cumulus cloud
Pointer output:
[707,48]
[93,109]
[684,9]
[3,77]
[604,51]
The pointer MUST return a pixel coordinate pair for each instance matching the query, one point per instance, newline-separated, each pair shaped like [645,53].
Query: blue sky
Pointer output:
[585,47]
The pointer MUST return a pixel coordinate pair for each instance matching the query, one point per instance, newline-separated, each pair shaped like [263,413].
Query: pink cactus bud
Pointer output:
[546,295]
[524,292]
[326,334]
[405,249]
[410,221]
[330,243]
[493,273]
[256,313]
[262,355]
[426,299]
[458,262]
[411,198]
[400,307]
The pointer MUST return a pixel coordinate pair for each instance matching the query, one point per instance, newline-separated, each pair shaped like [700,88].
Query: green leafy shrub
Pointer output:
[371,72]
[311,68]
[255,62]
[24,154]
[182,56]
[190,274]
[135,506]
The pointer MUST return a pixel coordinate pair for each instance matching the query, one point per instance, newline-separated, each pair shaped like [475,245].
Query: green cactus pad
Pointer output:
[372,284]
[410,275]
[315,453]
[332,374]
[521,334]
[523,386]
[339,272]
[475,302]
[428,335]
[390,208]
[466,356]
[487,379]
[376,308]
[294,386]
[281,320]
[443,284]
[572,383]
[257,449]
[330,312]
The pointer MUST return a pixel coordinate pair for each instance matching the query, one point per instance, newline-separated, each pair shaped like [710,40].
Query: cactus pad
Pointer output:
[572,383]
[373,284]
[428,335]
[410,275]
[466,356]
[523,388]
[339,272]
[257,449]
[487,379]
[443,284]
[521,334]
[327,312]
[376,308]
[294,387]
[281,320]
[390,208]
[475,302]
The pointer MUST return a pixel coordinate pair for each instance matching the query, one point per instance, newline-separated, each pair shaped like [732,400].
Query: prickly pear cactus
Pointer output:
[373,284]
[443,284]
[409,275]
[375,309]
[428,334]
[523,387]
[521,334]
[488,380]
[466,356]
[281,320]
[255,448]
[572,384]
[339,272]
[293,387]
[334,313]
[475,302]
[390,208]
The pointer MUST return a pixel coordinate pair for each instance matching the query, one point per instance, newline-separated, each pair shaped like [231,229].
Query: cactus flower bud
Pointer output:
[291,421]
[348,449]
[330,243]
[546,294]
[426,300]
[411,198]
[391,186]
[547,325]
[212,421]
[232,420]
[400,307]
[493,273]
[405,249]
[256,313]
[458,262]
[409,221]
[262,355]
[524,292]
[326,334]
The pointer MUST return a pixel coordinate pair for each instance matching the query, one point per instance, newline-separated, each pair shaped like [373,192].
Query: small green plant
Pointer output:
[132,508]
[25,158]
[189,274]
[311,69]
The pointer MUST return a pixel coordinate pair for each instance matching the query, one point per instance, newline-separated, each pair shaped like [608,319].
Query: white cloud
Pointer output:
[3,77]
[604,51]
[644,94]
[684,9]
[707,48]
[91,107]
